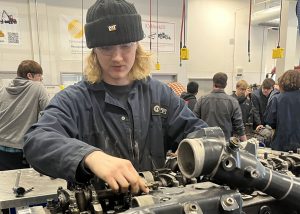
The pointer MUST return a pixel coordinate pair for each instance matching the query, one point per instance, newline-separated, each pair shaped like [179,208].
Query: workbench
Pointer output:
[44,188]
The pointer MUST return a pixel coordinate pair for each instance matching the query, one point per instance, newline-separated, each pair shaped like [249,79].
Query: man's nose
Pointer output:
[117,53]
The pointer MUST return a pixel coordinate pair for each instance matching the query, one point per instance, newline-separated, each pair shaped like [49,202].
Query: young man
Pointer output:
[261,95]
[118,120]
[250,115]
[20,105]
[221,109]
[190,95]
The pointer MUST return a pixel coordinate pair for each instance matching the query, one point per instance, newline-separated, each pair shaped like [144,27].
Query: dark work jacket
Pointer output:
[190,99]
[275,93]
[260,102]
[221,109]
[84,118]
[249,113]
[283,116]
[272,94]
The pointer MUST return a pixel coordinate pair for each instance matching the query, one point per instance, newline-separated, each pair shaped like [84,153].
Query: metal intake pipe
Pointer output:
[207,153]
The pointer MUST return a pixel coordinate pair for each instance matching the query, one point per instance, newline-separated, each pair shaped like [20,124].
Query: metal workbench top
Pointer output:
[44,188]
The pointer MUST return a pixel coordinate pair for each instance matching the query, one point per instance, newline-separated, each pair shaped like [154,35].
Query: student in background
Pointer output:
[221,109]
[261,95]
[190,95]
[250,115]
[20,105]
[284,113]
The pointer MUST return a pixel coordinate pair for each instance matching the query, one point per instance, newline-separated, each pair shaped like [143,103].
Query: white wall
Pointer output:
[253,67]
[11,55]
[218,42]
[40,27]
[211,35]
[169,11]
[216,37]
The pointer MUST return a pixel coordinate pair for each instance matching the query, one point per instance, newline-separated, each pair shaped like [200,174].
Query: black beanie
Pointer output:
[112,22]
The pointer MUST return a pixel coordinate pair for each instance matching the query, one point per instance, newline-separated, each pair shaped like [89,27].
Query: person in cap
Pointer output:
[220,109]
[118,120]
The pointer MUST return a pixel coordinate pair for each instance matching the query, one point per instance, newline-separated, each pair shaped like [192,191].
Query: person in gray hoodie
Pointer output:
[20,104]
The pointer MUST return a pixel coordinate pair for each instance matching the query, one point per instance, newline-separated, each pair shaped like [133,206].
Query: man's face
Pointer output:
[266,91]
[240,91]
[116,62]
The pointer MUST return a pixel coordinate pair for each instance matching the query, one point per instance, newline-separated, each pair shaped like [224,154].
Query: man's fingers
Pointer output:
[132,177]
[112,183]
[123,183]
[142,186]
[135,189]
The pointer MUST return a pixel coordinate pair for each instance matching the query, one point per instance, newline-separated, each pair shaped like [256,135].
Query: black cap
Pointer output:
[112,22]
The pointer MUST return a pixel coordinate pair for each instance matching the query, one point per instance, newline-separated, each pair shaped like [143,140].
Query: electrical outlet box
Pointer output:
[184,54]
[157,66]
[278,53]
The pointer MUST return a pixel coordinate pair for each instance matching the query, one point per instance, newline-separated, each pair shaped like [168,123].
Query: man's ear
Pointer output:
[29,76]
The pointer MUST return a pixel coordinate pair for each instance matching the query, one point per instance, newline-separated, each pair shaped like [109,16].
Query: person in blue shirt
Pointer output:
[118,120]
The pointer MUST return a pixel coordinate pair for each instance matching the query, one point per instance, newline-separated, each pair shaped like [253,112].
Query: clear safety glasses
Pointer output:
[110,50]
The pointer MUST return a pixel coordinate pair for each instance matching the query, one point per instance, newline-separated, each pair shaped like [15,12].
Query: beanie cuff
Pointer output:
[114,30]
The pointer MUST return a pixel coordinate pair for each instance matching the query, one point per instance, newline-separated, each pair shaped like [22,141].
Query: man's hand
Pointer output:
[259,127]
[247,92]
[243,138]
[118,173]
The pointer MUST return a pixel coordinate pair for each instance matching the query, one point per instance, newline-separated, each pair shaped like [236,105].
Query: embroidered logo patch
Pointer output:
[159,111]
[156,109]
[112,28]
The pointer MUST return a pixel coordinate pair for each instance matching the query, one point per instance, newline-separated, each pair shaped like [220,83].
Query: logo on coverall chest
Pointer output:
[159,111]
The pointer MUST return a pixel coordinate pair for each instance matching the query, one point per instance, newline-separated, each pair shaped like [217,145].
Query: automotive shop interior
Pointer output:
[149,106]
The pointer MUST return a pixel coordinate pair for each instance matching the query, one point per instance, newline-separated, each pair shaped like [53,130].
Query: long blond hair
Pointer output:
[140,69]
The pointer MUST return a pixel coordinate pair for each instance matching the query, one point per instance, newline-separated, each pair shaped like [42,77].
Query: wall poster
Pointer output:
[9,26]
[162,33]
[72,38]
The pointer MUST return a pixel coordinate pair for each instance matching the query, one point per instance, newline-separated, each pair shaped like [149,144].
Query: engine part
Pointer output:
[207,153]
[234,171]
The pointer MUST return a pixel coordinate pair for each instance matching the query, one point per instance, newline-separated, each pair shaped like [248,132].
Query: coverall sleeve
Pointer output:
[237,120]
[256,117]
[51,146]
[181,120]
[270,115]
[197,110]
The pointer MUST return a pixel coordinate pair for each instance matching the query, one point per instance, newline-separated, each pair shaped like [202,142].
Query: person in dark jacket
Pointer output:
[261,95]
[273,95]
[250,115]
[190,95]
[284,113]
[117,121]
[221,109]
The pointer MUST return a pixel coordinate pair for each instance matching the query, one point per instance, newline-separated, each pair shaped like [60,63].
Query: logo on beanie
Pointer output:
[112,28]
